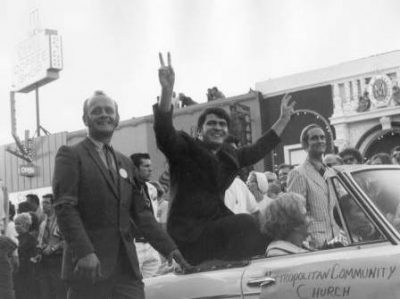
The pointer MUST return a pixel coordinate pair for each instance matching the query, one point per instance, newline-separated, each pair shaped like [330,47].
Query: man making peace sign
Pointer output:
[201,170]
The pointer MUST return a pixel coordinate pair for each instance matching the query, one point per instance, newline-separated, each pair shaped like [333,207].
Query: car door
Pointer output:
[367,267]
[207,283]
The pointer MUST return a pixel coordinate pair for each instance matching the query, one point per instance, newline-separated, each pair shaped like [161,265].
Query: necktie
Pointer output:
[109,159]
[322,171]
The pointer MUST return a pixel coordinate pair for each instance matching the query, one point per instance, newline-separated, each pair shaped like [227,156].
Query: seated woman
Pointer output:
[286,220]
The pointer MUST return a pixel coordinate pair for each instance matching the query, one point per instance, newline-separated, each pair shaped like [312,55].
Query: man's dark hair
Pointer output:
[351,151]
[138,157]
[25,206]
[221,113]
[35,222]
[33,198]
[49,196]
[304,133]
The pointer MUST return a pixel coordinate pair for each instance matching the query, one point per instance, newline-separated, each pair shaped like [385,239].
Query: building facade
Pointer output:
[359,99]
[356,102]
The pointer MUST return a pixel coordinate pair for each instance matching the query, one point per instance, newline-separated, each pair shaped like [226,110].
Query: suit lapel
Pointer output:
[313,174]
[227,152]
[104,171]
[120,166]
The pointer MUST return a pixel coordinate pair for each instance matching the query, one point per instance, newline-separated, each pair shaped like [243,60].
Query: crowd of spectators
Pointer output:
[31,250]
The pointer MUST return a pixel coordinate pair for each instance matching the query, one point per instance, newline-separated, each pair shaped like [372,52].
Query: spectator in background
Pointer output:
[10,230]
[24,207]
[351,155]
[395,155]
[13,235]
[364,102]
[332,160]
[274,189]
[380,158]
[3,207]
[185,101]
[395,95]
[25,285]
[7,247]
[258,185]
[28,207]
[51,243]
[271,177]
[162,204]
[149,258]
[214,94]
[286,220]
[283,171]
[238,197]
[161,216]
[34,200]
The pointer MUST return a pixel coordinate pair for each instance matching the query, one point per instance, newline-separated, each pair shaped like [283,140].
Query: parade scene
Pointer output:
[182,149]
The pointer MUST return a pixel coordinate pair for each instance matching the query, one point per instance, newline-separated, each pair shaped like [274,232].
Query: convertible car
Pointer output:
[367,266]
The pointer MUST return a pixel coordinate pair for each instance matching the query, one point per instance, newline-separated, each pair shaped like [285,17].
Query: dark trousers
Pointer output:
[233,237]
[121,284]
[6,282]
[49,275]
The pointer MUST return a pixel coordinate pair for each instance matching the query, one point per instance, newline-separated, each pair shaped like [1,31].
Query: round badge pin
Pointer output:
[123,173]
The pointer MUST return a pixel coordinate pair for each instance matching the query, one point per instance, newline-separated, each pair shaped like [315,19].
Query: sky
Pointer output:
[232,44]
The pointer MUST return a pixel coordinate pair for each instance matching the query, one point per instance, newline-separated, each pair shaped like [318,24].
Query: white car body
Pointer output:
[362,269]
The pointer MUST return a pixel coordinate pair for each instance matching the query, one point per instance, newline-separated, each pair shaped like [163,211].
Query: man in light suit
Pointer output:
[309,180]
[98,202]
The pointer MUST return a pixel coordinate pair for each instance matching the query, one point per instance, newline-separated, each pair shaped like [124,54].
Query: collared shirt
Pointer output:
[99,146]
[49,233]
[319,166]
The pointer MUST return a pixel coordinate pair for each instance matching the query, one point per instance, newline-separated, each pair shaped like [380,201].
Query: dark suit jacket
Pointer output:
[199,178]
[97,215]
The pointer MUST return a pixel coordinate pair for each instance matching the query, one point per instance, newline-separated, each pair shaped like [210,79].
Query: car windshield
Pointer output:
[383,188]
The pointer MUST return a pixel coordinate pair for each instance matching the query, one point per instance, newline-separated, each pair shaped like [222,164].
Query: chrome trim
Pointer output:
[225,296]
[261,282]
[252,293]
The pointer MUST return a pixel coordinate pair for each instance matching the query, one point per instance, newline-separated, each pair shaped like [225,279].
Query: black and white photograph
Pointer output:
[200,149]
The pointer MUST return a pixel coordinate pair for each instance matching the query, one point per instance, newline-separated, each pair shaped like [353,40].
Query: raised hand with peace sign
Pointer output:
[166,76]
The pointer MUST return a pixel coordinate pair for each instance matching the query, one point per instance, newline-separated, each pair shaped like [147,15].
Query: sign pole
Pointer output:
[37,111]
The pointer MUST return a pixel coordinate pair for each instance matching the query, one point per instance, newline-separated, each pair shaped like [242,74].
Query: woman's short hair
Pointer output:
[284,214]
[24,218]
